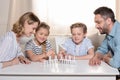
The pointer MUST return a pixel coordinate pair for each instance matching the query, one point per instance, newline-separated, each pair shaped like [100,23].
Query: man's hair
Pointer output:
[105,12]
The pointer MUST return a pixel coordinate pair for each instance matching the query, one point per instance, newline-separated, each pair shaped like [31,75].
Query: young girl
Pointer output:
[39,48]
[10,51]
[79,46]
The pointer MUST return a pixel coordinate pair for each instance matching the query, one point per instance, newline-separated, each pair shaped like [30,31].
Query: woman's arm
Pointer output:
[10,63]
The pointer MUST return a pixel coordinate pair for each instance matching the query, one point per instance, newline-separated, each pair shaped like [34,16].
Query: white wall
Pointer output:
[4,11]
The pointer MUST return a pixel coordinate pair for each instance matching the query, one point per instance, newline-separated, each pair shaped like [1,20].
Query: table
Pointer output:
[80,70]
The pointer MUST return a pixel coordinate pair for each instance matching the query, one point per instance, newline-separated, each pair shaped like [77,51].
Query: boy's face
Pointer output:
[77,35]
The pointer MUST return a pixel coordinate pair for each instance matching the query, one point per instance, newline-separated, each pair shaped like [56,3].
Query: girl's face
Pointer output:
[41,35]
[29,29]
[77,35]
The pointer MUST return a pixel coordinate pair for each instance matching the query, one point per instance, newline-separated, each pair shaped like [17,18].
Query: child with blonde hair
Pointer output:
[78,46]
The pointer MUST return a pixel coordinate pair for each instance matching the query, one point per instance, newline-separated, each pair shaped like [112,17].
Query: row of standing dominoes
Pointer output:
[65,60]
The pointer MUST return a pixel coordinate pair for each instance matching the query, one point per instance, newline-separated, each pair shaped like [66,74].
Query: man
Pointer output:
[109,51]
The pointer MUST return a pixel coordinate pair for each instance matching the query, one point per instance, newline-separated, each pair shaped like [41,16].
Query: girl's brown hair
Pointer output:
[30,17]
[47,27]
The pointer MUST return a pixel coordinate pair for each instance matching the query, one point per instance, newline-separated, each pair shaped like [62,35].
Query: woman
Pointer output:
[10,51]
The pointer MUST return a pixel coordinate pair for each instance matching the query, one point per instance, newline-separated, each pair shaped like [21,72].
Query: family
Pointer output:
[78,46]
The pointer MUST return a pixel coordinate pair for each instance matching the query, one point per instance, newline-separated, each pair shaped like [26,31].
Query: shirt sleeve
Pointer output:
[0,66]
[19,52]
[115,60]
[89,44]
[29,45]
[5,45]
[103,49]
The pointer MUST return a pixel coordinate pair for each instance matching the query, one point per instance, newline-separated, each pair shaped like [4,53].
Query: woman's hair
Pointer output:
[47,27]
[79,25]
[105,12]
[30,17]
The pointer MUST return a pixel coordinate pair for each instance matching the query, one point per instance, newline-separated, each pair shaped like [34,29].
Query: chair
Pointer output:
[59,40]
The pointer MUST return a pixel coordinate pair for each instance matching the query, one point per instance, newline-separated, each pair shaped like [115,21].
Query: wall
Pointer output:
[4,11]
[118,10]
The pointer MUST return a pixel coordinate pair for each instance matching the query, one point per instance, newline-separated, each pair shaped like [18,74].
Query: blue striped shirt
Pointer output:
[31,45]
[9,48]
[77,50]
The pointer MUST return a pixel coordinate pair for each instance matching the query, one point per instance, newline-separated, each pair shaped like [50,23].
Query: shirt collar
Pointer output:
[112,33]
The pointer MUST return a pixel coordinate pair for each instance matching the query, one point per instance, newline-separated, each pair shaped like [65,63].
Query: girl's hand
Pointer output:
[50,53]
[62,54]
[42,60]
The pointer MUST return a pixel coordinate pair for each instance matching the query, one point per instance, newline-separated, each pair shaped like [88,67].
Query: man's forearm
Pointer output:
[99,55]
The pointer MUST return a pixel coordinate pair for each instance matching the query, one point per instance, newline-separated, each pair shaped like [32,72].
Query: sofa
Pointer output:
[95,38]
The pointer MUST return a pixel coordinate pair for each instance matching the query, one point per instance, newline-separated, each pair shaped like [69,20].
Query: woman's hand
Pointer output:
[23,60]
[14,61]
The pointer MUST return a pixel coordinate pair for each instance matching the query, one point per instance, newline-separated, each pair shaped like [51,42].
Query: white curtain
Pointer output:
[60,14]
[16,9]
[118,10]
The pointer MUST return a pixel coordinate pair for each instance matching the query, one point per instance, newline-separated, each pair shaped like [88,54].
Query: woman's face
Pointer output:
[77,35]
[41,35]
[29,29]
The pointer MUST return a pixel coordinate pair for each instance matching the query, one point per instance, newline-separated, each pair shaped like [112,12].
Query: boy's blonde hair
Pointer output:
[79,25]
[30,17]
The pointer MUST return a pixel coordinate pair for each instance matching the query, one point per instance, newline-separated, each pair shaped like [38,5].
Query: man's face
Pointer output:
[101,24]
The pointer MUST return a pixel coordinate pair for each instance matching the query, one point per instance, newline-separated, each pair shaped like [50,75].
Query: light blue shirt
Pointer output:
[112,43]
[77,50]
[9,48]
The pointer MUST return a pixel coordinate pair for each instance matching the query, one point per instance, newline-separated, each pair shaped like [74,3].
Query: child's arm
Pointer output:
[89,55]
[34,57]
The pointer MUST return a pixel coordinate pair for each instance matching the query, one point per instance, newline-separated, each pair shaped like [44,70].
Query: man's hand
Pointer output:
[94,61]
[106,58]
